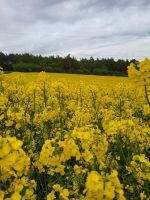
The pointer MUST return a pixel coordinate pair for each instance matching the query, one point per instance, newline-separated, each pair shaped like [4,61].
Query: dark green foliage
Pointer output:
[31,63]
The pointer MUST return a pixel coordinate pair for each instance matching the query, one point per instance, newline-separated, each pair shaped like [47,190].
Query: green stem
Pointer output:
[146,93]
[45,98]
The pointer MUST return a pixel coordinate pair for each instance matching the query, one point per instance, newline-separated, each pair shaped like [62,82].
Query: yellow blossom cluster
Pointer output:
[66,140]
[140,167]
[14,171]
[101,186]
[141,71]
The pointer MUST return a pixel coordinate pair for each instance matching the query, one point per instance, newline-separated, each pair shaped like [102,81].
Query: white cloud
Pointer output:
[110,28]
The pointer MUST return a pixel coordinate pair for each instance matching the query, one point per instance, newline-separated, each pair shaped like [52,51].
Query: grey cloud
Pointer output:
[82,28]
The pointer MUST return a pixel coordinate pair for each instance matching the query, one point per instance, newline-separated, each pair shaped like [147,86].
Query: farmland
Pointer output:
[68,136]
[104,81]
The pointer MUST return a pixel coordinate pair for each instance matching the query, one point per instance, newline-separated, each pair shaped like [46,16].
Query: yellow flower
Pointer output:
[64,194]
[18,125]
[51,196]
[109,190]
[142,196]
[16,144]
[94,181]
[2,194]
[16,196]
[57,187]
[9,123]
[78,169]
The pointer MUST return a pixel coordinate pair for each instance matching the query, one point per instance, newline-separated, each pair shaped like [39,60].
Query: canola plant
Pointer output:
[75,141]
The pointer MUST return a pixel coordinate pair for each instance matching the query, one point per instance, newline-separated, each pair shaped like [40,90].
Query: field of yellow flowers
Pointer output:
[74,138]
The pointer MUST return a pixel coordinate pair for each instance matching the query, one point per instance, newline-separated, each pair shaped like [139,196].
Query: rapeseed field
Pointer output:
[75,136]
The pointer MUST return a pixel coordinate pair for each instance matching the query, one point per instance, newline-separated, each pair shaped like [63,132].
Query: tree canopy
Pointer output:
[35,63]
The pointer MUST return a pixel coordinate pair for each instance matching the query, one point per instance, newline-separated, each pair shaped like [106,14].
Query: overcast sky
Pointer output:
[82,28]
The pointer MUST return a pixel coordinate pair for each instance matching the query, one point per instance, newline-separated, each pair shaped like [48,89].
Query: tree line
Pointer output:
[35,63]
